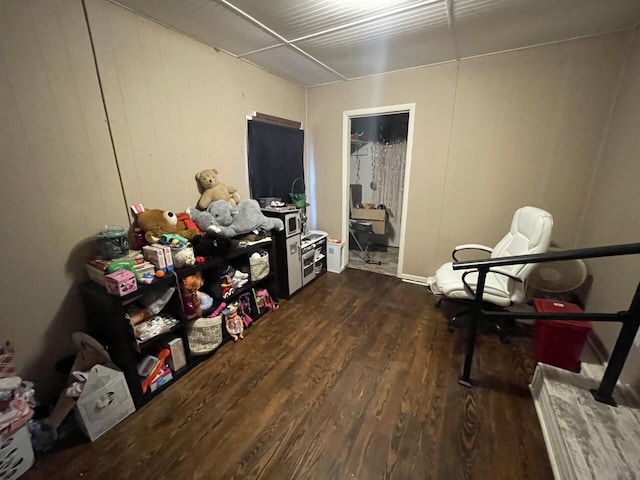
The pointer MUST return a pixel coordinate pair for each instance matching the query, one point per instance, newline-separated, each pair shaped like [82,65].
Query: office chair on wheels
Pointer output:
[530,233]
[362,234]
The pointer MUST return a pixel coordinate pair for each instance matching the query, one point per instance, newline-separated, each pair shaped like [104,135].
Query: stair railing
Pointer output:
[630,318]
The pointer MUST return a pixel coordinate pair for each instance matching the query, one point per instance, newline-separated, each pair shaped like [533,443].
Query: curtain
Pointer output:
[389,161]
[275,155]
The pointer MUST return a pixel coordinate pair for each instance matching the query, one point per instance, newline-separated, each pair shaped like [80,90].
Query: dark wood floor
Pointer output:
[354,378]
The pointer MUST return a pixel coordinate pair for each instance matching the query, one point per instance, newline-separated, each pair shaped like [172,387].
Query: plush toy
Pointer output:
[212,190]
[183,257]
[210,245]
[154,223]
[223,219]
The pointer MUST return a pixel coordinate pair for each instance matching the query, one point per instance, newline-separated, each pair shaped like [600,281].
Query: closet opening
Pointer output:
[376,179]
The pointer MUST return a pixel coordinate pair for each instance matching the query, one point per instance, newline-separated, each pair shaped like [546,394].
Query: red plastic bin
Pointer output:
[559,342]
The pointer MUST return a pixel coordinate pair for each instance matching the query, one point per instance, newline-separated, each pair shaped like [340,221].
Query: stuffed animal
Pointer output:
[212,190]
[183,257]
[222,219]
[154,223]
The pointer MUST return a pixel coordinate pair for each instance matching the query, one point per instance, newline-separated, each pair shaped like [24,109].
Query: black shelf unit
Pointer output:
[107,321]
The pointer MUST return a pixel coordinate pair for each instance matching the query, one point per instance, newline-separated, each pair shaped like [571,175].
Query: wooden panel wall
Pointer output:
[177,106]
[612,215]
[491,134]
[58,180]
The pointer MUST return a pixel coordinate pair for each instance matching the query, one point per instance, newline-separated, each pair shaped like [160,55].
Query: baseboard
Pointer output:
[413,279]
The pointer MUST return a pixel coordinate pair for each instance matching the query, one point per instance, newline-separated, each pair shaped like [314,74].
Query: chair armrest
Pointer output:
[471,291]
[470,246]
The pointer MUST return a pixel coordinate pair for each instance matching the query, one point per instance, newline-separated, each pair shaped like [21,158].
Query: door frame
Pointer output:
[347,115]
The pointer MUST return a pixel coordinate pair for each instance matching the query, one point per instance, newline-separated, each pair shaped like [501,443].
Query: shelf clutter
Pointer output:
[159,331]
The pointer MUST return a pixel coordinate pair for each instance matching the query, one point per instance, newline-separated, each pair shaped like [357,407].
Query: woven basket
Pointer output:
[259,267]
[204,335]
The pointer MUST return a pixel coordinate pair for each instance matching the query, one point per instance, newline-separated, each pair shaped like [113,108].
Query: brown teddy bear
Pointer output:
[155,222]
[212,190]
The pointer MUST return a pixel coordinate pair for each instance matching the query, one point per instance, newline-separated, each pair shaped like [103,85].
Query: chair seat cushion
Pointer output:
[448,282]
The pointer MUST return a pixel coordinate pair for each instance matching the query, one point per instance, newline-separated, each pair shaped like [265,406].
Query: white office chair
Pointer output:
[530,234]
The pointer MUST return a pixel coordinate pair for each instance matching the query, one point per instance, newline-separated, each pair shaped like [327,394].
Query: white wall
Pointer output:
[612,215]
[491,134]
[58,180]
[178,107]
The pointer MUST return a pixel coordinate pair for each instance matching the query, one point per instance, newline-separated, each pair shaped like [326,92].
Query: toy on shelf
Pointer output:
[150,305]
[153,327]
[189,293]
[211,189]
[223,219]
[233,322]
[158,374]
[155,223]
[244,308]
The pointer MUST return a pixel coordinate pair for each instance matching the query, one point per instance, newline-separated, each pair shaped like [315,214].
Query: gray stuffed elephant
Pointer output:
[223,219]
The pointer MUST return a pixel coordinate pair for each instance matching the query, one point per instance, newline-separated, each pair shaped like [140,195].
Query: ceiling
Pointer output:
[313,42]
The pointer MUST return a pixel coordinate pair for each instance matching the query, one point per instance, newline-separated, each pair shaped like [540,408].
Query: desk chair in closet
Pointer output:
[362,234]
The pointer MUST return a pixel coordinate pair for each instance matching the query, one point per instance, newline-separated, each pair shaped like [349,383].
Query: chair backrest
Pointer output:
[530,234]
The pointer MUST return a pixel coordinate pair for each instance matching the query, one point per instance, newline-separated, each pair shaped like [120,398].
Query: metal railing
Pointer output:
[630,318]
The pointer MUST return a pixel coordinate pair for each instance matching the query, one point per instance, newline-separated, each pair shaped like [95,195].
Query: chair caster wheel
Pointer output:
[504,340]
[438,303]
[451,328]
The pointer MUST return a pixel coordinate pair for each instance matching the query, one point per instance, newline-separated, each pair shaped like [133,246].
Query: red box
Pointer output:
[559,342]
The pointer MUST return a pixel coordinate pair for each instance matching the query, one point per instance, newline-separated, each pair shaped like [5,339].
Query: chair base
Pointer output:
[496,327]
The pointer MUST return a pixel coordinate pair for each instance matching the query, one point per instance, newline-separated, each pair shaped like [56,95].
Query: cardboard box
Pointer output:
[177,359]
[377,217]
[104,401]
[372,214]
[155,255]
[168,258]
[121,283]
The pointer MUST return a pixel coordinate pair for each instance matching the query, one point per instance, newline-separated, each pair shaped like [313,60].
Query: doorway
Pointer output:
[376,165]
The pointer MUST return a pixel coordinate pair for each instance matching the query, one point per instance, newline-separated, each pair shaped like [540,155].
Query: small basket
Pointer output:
[204,335]
[259,267]
[299,200]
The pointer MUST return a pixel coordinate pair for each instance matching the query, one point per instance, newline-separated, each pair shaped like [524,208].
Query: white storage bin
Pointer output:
[104,401]
[204,335]
[334,256]
[16,454]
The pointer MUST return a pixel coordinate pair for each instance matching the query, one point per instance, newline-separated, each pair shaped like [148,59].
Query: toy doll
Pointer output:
[189,293]
[233,322]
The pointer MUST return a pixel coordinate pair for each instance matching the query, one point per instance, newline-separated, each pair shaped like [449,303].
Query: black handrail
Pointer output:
[594,252]
[630,318]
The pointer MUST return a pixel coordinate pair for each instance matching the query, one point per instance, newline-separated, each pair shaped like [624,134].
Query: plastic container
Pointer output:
[16,454]
[113,242]
[559,342]
[334,255]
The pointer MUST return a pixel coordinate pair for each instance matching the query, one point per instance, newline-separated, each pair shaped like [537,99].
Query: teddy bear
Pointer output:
[222,219]
[212,190]
[155,222]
